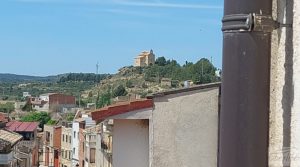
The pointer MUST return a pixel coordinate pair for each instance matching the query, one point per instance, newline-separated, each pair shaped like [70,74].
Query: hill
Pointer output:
[142,81]
[26,78]
[12,86]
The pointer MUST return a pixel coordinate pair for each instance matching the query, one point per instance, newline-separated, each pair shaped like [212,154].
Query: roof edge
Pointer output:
[182,90]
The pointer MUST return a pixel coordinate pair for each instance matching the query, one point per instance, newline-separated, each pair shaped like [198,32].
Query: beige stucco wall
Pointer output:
[295,121]
[50,146]
[284,139]
[130,143]
[185,129]
[66,146]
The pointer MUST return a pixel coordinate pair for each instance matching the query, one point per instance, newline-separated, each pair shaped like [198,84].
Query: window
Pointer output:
[47,136]
[74,134]
[70,140]
[63,137]
[69,154]
[92,155]
[66,138]
[74,149]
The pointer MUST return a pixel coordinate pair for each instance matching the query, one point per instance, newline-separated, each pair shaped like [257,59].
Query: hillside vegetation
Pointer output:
[142,81]
[131,82]
[13,86]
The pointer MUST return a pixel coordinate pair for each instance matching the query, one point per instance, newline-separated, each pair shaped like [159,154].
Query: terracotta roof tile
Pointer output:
[120,108]
[16,126]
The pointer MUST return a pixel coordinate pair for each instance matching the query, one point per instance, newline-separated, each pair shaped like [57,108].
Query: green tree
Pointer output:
[41,117]
[203,71]
[129,84]
[119,91]
[103,99]
[7,107]
[161,61]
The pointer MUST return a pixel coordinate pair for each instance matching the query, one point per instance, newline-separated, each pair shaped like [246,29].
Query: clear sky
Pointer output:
[47,37]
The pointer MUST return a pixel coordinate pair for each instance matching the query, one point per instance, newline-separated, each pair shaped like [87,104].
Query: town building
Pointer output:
[166,82]
[4,117]
[8,144]
[104,144]
[52,102]
[52,145]
[173,128]
[26,94]
[84,121]
[66,145]
[90,135]
[145,59]
[28,148]
[75,143]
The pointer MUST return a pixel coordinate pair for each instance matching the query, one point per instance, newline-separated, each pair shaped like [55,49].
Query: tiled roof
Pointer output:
[121,108]
[16,126]
[10,137]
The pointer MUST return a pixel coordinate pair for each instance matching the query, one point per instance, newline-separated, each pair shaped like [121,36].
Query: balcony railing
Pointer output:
[26,143]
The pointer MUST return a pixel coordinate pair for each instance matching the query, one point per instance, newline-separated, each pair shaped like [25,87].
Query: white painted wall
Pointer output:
[130,143]
[44,97]
[75,143]
[185,129]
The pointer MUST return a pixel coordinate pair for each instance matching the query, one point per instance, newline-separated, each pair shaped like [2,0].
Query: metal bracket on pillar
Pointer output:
[249,23]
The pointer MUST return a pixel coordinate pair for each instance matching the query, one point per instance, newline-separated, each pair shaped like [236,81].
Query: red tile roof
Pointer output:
[16,126]
[121,108]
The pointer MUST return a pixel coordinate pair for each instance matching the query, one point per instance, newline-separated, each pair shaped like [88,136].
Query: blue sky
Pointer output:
[46,37]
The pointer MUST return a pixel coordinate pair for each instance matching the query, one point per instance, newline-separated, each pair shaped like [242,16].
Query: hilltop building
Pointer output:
[145,59]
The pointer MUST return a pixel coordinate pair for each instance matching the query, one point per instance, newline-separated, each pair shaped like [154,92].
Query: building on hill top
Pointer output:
[145,59]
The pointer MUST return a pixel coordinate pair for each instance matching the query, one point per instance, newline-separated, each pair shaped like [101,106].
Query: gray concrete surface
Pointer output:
[185,129]
[283,88]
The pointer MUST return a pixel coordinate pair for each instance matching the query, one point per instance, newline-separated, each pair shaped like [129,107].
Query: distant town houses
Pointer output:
[19,144]
[8,148]
[4,118]
[174,128]
[145,59]
[52,102]
[28,147]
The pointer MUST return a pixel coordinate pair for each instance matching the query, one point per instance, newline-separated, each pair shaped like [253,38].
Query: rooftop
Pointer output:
[10,137]
[183,90]
[120,108]
[48,94]
[16,126]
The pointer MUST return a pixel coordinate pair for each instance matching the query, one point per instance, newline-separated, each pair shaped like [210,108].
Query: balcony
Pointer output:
[26,143]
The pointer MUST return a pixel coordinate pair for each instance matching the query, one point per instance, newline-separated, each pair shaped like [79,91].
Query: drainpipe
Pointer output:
[244,117]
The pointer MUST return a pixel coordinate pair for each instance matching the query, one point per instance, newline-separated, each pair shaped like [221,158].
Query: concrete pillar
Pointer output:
[284,138]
